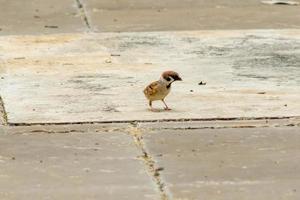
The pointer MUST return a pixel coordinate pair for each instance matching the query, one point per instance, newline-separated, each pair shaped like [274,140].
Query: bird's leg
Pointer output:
[150,104]
[166,108]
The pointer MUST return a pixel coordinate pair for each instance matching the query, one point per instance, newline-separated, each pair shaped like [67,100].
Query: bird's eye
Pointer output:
[168,78]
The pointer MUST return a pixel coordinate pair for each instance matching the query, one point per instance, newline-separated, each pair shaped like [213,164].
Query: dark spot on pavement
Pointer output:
[50,26]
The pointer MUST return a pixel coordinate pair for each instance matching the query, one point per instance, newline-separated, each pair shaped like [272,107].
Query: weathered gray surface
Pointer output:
[219,164]
[145,15]
[31,16]
[74,77]
[71,165]
[67,78]
[37,17]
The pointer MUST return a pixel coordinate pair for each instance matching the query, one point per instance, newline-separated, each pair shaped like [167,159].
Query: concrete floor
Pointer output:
[187,160]
[253,163]
[65,69]
[140,15]
[69,16]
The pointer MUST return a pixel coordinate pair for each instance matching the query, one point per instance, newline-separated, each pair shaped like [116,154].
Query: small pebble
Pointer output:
[108,61]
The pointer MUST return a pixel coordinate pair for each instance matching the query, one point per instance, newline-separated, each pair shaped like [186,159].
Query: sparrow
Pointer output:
[158,90]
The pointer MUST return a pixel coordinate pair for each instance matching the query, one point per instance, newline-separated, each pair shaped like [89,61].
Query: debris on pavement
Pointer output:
[108,60]
[160,169]
[281,2]
[261,93]
[201,83]
[50,26]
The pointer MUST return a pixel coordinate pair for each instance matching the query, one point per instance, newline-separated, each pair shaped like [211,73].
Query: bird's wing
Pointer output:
[152,89]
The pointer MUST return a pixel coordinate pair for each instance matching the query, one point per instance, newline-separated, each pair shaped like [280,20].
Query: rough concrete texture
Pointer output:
[86,77]
[100,77]
[144,15]
[219,164]
[100,161]
[37,17]
[73,165]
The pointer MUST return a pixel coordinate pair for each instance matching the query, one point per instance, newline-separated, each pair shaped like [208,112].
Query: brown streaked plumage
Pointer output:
[158,90]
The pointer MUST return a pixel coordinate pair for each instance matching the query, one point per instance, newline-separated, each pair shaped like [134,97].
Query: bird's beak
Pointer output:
[179,79]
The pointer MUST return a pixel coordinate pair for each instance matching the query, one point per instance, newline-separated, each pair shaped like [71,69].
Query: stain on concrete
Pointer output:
[266,58]
[95,83]
[127,43]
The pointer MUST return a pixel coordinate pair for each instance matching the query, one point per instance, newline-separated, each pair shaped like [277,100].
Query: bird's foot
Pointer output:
[167,108]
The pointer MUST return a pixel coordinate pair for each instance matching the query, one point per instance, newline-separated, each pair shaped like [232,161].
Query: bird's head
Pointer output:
[170,77]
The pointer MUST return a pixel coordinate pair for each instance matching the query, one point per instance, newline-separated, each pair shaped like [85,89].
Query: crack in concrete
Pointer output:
[55,132]
[173,125]
[150,163]
[151,121]
[83,13]
[63,129]
[3,114]
[224,127]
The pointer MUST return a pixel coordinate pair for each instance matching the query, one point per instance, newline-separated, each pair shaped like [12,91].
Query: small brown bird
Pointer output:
[158,90]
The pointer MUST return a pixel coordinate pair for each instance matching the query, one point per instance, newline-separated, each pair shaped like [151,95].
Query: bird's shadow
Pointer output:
[159,110]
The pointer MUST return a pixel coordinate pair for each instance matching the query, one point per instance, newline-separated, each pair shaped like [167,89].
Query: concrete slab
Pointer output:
[144,15]
[255,163]
[37,17]
[89,165]
[100,77]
